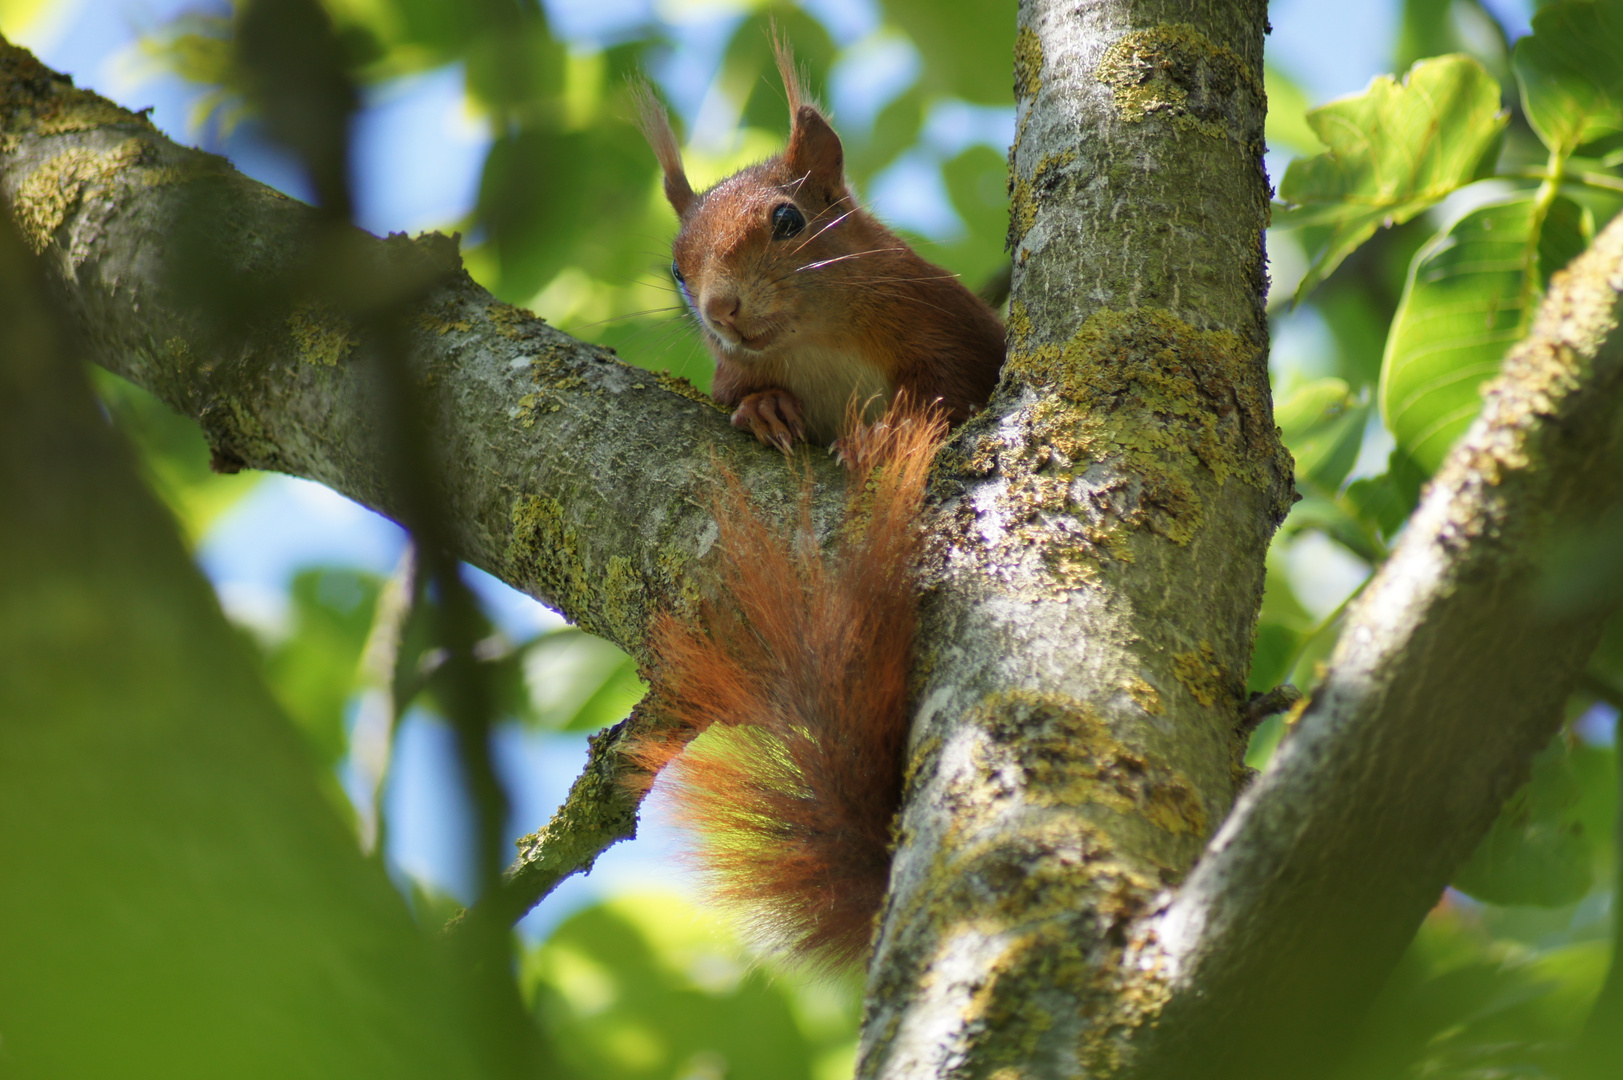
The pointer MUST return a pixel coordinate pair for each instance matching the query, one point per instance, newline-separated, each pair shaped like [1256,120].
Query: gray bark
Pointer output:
[1101,550]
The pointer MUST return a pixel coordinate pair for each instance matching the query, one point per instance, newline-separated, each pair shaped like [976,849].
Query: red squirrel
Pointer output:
[806,300]
[826,327]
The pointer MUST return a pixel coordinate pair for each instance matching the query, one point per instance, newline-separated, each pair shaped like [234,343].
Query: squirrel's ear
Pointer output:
[656,128]
[815,155]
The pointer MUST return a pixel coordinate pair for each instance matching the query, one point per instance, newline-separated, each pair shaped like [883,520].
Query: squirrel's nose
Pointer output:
[722,309]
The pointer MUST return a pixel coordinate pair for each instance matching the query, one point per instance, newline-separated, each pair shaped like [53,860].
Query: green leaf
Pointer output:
[1571,73]
[1536,852]
[176,883]
[579,682]
[174,455]
[965,45]
[1335,518]
[313,671]
[1280,626]
[1322,424]
[1395,150]
[647,987]
[1470,294]
[1286,125]
[1379,504]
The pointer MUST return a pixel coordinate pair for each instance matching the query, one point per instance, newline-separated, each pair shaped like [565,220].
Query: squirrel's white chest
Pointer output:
[826,381]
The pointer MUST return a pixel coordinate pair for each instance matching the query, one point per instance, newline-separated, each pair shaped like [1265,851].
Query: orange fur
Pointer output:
[797,678]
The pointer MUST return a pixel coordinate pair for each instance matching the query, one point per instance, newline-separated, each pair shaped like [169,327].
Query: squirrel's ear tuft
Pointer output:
[788,71]
[656,128]
[815,155]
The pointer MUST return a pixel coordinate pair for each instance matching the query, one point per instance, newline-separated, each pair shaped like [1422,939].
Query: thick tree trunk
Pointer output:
[1101,550]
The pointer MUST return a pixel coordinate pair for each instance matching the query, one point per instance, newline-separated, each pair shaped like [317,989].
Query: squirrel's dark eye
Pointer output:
[676,272]
[787,221]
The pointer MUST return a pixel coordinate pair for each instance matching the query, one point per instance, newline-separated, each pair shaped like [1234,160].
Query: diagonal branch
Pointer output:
[599,812]
[1449,676]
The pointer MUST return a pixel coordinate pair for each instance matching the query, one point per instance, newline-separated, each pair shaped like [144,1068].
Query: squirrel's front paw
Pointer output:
[774,416]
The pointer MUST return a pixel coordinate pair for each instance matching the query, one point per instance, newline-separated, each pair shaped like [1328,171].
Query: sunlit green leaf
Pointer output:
[1280,626]
[579,682]
[1470,295]
[1287,126]
[646,988]
[1571,72]
[1337,518]
[1395,150]
[1536,852]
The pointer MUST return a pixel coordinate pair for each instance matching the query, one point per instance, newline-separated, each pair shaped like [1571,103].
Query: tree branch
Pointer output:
[599,812]
[566,473]
[1449,677]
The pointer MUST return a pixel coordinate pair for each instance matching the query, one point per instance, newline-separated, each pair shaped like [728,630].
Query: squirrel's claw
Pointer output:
[773,416]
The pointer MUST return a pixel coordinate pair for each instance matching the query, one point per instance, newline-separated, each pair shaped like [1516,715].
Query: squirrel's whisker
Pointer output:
[841,258]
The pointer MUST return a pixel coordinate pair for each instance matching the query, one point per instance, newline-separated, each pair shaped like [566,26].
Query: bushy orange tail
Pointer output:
[797,677]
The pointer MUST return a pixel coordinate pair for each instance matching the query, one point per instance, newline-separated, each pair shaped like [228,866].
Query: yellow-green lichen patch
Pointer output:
[80,110]
[553,376]
[1062,951]
[186,168]
[1156,72]
[623,599]
[1002,1016]
[531,404]
[1147,697]
[1201,674]
[1019,323]
[54,189]
[34,98]
[1173,807]
[1153,389]
[320,335]
[443,320]
[1024,194]
[512,322]
[674,582]
[1028,64]
[679,386]
[545,550]
[1069,758]
[9,143]
[1125,998]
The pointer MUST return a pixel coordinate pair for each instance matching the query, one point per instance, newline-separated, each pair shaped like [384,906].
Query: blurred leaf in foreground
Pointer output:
[180,899]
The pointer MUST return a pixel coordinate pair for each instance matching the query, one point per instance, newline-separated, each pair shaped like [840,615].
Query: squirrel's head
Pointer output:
[749,251]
